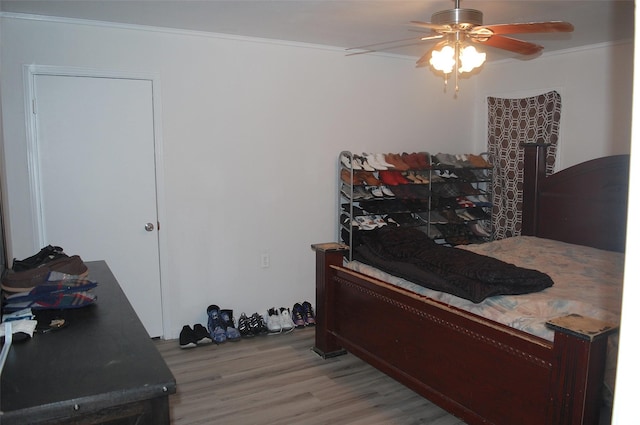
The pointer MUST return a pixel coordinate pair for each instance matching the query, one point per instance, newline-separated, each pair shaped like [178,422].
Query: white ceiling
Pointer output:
[347,23]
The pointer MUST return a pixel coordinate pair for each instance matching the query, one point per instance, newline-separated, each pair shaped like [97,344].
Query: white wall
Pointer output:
[595,84]
[625,409]
[251,132]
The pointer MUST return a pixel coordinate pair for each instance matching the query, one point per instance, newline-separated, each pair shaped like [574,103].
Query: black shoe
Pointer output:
[257,325]
[188,337]
[202,335]
[46,254]
[244,326]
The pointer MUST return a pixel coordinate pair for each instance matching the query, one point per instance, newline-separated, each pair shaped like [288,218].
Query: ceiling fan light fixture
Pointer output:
[458,28]
[443,60]
[471,59]
[468,58]
[458,56]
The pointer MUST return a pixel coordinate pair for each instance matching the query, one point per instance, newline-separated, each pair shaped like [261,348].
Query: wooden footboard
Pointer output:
[479,370]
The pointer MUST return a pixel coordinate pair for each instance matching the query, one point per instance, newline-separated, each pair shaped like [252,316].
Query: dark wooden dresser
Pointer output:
[102,368]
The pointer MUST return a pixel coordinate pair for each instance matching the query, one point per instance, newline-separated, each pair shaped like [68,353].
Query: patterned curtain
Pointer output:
[512,122]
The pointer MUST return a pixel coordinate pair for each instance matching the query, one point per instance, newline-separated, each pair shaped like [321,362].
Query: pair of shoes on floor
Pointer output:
[279,321]
[250,326]
[192,337]
[221,325]
[303,315]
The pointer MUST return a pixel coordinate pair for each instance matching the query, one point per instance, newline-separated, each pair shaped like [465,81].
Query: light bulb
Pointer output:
[443,60]
[470,59]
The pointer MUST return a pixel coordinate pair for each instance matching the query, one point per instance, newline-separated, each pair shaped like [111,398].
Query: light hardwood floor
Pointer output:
[279,380]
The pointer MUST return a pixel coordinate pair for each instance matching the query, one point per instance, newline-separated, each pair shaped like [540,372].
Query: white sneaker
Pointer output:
[364,164]
[356,164]
[373,161]
[286,323]
[376,191]
[350,162]
[382,160]
[379,221]
[387,192]
[274,324]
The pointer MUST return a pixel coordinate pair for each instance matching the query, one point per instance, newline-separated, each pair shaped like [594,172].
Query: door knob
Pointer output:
[149,227]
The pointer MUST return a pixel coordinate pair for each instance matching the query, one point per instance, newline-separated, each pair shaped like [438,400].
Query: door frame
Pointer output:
[33,157]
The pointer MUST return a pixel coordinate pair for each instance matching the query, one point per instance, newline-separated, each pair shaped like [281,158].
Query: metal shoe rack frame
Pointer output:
[487,185]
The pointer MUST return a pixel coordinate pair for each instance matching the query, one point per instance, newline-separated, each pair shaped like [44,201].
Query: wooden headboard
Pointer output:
[585,204]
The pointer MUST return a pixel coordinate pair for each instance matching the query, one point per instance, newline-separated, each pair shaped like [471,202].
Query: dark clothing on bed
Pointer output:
[409,253]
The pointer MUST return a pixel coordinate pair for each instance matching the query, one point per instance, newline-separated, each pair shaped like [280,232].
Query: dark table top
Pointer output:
[103,357]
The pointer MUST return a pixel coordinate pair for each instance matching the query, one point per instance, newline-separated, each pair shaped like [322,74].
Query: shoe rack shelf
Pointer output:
[446,196]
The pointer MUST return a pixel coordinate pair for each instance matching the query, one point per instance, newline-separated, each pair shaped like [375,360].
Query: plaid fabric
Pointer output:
[68,292]
[64,300]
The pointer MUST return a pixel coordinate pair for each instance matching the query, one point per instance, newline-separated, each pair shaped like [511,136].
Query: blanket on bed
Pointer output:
[409,253]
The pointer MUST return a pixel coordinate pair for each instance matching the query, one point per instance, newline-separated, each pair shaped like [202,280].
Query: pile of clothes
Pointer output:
[47,282]
[49,279]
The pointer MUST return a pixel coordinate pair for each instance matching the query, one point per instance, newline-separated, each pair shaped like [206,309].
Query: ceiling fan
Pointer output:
[458,29]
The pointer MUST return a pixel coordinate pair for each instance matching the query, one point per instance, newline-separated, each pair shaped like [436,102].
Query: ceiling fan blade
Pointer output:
[388,45]
[511,44]
[429,25]
[526,28]
[432,36]
[424,59]
[370,46]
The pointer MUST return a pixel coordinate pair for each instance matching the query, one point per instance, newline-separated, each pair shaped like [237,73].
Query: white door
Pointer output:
[97,186]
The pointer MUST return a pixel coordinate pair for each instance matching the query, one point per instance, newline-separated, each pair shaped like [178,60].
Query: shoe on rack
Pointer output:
[373,162]
[366,178]
[365,222]
[478,230]
[400,179]
[345,175]
[422,176]
[363,163]
[215,325]
[188,337]
[360,193]
[400,163]
[229,325]
[274,323]
[308,314]
[376,192]
[351,162]
[388,178]
[297,314]
[378,220]
[286,323]
[424,159]
[202,335]
[381,159]
[387,192]
[244,326]
[392,159]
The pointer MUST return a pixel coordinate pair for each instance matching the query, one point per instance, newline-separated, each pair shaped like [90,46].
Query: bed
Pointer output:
[480,369]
